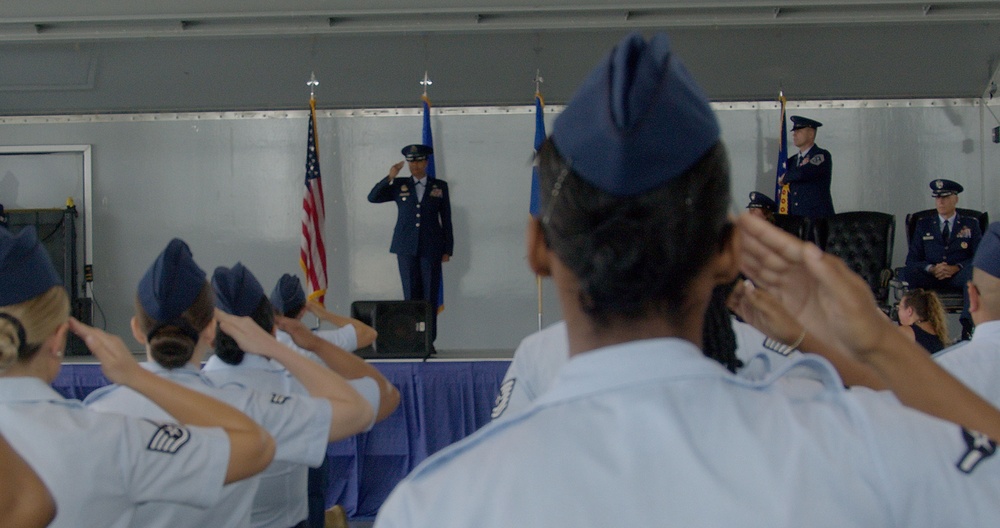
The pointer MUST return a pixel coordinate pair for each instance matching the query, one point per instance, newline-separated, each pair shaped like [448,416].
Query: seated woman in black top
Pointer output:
[921,317]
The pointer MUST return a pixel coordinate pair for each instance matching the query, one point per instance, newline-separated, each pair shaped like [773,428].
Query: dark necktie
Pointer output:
[945,233]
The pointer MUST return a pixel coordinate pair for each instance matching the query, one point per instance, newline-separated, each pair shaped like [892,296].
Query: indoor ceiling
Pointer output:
[114,56]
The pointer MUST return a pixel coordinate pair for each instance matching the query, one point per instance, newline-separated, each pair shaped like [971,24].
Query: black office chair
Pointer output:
[951,298]
[864,241]
[798,226]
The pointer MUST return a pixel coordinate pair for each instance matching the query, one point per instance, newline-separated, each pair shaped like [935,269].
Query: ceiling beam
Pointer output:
[464,19]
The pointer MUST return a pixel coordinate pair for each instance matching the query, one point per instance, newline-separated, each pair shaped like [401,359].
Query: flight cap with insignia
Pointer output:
[637,121]
[988,253]
[288,297]
[941,187]
[237,291]
[172,283]
[804,122]
[760,200]
[417,152]
[26,271]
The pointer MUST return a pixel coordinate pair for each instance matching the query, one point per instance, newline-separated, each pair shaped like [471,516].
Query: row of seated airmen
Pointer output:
[941,245]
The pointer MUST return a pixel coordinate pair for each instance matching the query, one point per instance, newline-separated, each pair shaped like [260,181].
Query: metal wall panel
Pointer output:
[230,184]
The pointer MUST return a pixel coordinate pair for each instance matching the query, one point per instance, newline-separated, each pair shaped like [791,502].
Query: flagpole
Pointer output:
[538,278]
[313,83]
[781,188]
[313,250]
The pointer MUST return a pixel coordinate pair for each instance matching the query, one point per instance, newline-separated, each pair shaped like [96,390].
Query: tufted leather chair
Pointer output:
[799,226]
[864,240]
[951,298]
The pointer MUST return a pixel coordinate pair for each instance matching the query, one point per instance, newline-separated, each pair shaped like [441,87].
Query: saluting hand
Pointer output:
[117,362]
[316,309]
[249,336]
[394,170]
[763,312]
[832,302]
[301,334]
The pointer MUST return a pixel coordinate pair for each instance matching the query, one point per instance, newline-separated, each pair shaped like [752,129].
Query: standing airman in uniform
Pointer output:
[809,173]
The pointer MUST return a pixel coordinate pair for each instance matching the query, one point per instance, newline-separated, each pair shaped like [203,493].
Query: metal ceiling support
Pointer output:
[990,94]
[498,18]
[463,111]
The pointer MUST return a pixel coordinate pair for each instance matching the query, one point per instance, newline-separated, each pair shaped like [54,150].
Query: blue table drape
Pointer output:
[441,403]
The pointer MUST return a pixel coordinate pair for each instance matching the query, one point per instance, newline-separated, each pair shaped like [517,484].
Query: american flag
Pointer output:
[312,253]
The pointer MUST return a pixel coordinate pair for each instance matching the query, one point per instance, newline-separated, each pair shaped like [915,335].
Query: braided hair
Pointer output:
[718,338]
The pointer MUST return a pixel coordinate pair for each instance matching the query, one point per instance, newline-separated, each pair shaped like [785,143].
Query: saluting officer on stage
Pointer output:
[809,173]
[943,246]
[422,239]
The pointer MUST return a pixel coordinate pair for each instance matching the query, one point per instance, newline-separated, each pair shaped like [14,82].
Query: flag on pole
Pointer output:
[781,190]
[312,252]
[428,139]
[535,204]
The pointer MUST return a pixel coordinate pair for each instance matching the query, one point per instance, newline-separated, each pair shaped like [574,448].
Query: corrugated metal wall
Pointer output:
[230,185]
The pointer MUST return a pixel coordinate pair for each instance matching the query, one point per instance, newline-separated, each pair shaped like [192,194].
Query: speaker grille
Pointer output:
[404,327]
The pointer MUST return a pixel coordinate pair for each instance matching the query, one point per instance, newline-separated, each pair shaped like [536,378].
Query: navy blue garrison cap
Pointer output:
[417,152]
[25,268]
[171,285]
[288,297]
[804,122]
[761,201]
[237,291]
[638,120]
[941,187]
[988,253]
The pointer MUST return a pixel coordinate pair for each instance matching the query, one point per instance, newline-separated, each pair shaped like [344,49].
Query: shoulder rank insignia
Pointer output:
[503,398]
[817,159]
[169,438]
[776,346]
[979,447]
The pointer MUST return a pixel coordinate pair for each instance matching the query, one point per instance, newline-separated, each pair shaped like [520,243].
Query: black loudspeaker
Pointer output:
[404,328]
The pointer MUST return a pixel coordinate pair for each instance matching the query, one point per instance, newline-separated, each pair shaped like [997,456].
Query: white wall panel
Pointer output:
[230,184]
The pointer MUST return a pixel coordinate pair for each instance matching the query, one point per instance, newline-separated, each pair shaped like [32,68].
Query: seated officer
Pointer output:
[762,206]
[942,248]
